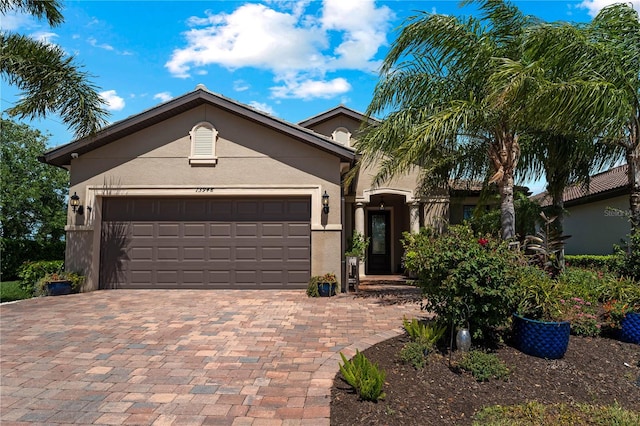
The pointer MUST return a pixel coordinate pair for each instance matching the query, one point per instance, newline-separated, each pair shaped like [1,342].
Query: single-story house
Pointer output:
[596,215]
[204,192]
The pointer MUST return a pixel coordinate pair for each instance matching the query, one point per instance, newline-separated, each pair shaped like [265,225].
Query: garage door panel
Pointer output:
[196,230]
[207,243]
[221,230]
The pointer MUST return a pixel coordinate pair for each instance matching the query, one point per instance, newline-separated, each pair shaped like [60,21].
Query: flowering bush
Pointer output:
[465,279]
[616,310]
[582,315]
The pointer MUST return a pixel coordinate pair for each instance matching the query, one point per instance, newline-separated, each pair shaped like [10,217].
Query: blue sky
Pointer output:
[292,59]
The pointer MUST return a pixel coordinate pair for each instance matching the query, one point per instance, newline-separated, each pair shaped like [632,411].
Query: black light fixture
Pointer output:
[74,202]
[381,203]
[325,203]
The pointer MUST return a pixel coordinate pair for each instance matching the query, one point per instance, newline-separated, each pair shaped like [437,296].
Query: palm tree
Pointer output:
[48,78]
[435,83]
[597,95]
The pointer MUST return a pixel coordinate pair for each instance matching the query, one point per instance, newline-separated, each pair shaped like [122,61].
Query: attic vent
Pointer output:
[342,136]
[203,144]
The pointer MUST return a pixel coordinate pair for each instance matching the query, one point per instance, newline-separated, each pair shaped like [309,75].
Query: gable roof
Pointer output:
[61,156]
[611,183]
[333,112]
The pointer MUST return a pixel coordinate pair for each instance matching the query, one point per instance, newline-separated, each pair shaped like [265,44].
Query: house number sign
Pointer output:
[204,189]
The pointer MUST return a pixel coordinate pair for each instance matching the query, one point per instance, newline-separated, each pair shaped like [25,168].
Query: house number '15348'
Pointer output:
[204,189]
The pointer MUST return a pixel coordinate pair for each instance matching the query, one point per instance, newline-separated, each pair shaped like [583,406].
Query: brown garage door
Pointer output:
[205,243]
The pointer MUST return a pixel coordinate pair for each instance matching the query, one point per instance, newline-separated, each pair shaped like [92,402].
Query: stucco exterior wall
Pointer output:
[252,161]
[594,229]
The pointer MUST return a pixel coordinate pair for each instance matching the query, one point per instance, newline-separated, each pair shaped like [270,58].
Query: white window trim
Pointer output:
[203,160]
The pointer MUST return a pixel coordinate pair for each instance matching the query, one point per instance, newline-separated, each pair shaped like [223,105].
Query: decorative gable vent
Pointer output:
[342,136]
[203,144]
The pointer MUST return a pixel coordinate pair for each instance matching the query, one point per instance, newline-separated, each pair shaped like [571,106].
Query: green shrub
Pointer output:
[75,279]
[424,332]
[484,366]
[364,376]
[591,261]
[627,261]
[15,252]
[312,287]
[415,353]
[31,272]
[465,278]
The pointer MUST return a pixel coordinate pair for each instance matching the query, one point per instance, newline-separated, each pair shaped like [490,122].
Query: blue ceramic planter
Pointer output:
[58,288]
[630,331]
[326,289]
[540,338]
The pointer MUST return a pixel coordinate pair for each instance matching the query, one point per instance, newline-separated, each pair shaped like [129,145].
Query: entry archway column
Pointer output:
[414,217]
[359,225]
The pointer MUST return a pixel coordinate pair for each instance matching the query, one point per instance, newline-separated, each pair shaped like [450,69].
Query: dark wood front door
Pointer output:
[379,255]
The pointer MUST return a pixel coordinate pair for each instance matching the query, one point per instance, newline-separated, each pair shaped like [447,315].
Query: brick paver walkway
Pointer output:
[182,357]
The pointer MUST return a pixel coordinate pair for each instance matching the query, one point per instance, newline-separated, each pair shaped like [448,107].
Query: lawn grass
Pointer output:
[535,413]
[10,291]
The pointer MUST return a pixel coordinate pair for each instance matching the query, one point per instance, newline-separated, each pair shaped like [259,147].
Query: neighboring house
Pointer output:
[204,192]
[597,215]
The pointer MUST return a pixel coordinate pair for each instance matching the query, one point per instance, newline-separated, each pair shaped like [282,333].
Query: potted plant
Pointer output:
[322,285]
[59,283]
[358,246]
[624,317]
[539,326]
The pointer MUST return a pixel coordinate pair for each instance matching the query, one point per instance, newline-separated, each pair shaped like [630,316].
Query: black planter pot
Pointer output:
[542,339]
[326,289]
[58,288]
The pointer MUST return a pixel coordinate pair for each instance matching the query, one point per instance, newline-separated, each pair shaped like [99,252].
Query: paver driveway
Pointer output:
[182,356]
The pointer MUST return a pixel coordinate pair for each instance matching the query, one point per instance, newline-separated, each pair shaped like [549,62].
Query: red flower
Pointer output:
[483,242]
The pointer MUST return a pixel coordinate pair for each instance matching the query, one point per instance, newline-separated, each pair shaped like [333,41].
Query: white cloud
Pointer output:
[309,89]
[92,41]
[44,36]
[114,102]
[262,107]
[289,41]
[15,21]
[163,96]
[241,86]
[594,6]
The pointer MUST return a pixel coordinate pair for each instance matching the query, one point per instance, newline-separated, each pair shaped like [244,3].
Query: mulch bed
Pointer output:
[597,371]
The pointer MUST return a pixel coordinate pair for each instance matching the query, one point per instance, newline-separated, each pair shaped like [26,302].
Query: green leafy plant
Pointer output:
[582,315]
[539,295]
[428,333]
[628,258]
[466,279]
[546,248]
[30,273]
[415,353]
[364,376]
[312,287]
[484,366]
[358,246]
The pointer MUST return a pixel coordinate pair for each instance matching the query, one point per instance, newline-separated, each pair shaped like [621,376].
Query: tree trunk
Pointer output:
[633,162]
[504,153]
[507,210]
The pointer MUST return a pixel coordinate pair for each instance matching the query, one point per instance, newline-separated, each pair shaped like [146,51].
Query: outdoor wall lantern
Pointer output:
[381,203]
[74,202]
[325,203]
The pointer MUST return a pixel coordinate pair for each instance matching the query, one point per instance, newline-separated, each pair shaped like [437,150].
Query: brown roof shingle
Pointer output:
[601,183]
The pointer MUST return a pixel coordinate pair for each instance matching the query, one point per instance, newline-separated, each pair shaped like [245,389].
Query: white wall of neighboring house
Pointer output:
[595,227]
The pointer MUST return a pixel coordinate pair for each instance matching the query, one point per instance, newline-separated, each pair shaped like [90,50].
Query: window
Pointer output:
[467,212]
[342,136]
[203,144]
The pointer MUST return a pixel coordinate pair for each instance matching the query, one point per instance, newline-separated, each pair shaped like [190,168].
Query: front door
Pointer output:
[379,253]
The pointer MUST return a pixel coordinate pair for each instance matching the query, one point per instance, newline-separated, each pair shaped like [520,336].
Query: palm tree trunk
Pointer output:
[504,153]
[507,209]
[633,162]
